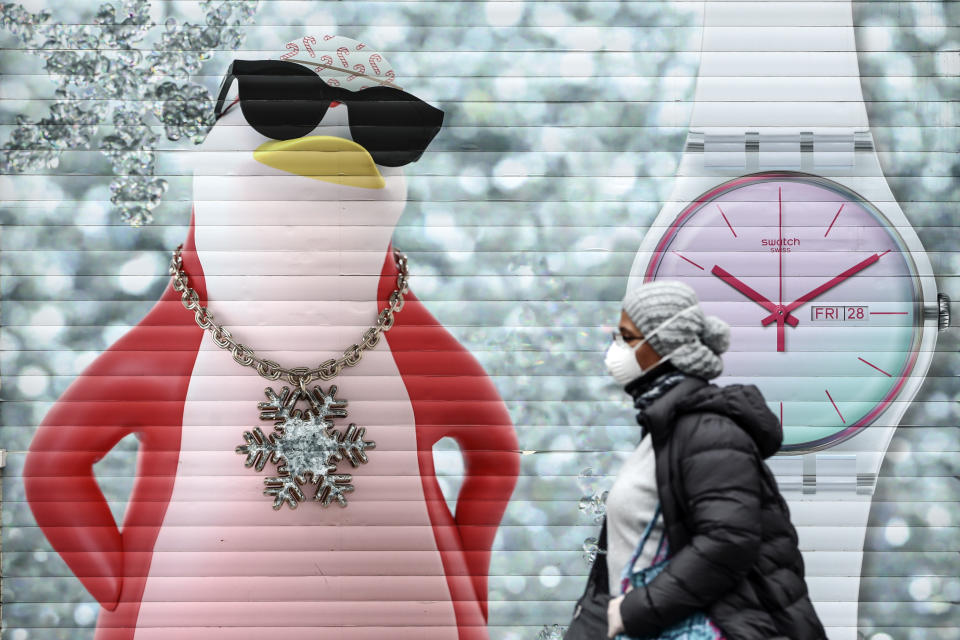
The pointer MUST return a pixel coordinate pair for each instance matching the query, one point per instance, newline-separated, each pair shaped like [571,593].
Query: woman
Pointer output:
[732,551]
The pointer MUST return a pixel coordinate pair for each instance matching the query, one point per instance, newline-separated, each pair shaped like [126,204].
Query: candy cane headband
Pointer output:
[384,81]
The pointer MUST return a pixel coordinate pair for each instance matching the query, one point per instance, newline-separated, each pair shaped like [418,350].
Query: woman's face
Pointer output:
[646,356]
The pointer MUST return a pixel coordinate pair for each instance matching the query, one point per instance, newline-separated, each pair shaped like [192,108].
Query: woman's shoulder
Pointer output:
[710,430]
[734,416]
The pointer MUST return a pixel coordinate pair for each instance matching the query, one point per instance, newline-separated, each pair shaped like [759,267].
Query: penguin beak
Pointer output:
[328,158]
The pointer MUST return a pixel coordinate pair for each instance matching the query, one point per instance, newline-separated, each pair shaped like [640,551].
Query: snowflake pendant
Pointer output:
[305,446]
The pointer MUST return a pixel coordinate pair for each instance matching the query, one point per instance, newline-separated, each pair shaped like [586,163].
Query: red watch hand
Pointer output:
[745,289]
[781,346]
[826,286]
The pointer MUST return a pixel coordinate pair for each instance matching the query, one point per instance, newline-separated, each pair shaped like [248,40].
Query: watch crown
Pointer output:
[943,311]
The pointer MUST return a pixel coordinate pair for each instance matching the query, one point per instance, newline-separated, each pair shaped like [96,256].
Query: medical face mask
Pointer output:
[621,358]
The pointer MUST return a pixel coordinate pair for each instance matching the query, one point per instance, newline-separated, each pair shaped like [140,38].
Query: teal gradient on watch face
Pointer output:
[805,249]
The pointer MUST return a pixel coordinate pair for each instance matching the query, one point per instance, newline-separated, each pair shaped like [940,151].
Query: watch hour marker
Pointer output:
[874,366]
[835,407]
[689,260]
[727,221]
[834,220]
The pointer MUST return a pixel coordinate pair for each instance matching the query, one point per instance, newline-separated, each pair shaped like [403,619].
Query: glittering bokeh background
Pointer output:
[564,126]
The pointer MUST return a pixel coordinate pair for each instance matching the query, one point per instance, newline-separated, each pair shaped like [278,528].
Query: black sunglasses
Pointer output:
[285,100]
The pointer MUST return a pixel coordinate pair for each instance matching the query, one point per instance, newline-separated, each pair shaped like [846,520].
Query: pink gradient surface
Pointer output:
[785,235]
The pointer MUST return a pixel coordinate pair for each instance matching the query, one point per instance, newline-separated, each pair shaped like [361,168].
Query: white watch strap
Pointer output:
[829,494]
[831,531]
[829,497]
[778,65]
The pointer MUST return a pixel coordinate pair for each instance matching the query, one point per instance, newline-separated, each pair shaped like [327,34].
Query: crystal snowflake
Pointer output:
[305,446]
[108,83]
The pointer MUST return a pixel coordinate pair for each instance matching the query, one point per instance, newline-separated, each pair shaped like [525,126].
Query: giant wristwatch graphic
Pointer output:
[783,223]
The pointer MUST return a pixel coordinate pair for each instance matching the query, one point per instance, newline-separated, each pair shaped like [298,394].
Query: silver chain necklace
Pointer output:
[269,369]
[304,445]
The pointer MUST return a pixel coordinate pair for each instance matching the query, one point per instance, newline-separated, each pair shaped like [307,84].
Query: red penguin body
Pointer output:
[140,385]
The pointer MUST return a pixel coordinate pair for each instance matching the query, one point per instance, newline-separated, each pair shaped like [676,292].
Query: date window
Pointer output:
[839,314]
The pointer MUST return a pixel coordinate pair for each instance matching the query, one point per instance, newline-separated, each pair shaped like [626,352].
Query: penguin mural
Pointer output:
[289,248]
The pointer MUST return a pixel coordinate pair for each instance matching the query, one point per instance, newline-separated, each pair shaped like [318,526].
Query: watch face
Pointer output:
[820,291]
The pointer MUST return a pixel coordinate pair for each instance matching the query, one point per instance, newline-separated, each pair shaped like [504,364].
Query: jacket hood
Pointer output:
[742,403]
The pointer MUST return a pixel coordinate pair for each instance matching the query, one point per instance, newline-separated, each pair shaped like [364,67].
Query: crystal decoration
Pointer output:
[591,547]
[551,632]
[588,482]
[108,87]
[305,446]
[594,506]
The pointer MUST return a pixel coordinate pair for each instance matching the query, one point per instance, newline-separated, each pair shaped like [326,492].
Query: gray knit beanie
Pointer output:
[695,340]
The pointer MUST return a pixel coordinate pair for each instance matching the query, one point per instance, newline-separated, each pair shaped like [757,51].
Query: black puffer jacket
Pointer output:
[733,549]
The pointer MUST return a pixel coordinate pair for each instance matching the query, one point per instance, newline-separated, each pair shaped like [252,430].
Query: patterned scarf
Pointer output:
[645,390]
